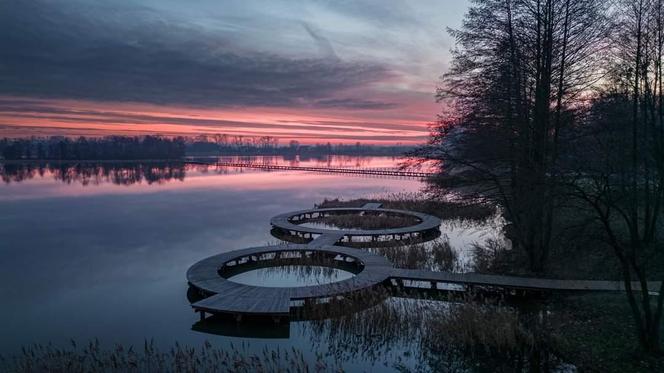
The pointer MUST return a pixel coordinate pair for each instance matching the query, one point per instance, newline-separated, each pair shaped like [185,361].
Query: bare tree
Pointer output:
[621,177]
[519,67]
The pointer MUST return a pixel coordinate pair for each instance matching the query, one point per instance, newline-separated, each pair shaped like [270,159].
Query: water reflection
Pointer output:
[91,173]
[229,327]
[393,327]
[412,330]
[353,220]
[291,276]
[129,172]
[65,247]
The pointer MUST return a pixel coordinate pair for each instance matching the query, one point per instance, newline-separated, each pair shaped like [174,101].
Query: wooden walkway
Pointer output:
[233,298]
[510,282]
[288,223]
[228,297]
[223,296]
[336,170]
[326,240]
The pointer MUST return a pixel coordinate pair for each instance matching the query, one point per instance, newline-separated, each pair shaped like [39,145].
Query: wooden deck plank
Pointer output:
[221,303]
[328,239]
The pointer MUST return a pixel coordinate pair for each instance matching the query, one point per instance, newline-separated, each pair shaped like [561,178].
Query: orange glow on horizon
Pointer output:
[41,117]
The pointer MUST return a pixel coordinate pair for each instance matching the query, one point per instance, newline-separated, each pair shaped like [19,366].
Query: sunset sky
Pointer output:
[314,71]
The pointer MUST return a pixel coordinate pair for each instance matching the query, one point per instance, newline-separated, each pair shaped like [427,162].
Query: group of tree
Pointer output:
[84,148]
[221,144]
[552,105]
[159,147]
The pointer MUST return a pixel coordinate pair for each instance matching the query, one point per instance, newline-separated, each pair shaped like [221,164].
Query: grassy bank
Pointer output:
[598,334]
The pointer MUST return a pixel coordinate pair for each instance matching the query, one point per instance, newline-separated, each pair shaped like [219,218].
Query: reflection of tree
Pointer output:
[432,335]
[123,173]
[306,271]
[310,274]
[390,327]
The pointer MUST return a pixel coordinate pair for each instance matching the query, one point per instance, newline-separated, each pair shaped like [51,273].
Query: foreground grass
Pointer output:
[93,358]
[599,335]
[592,332]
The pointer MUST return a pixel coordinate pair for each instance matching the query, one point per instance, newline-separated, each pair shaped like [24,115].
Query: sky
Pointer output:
[315,71]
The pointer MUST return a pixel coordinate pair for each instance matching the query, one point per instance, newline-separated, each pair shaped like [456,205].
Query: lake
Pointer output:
[101,251]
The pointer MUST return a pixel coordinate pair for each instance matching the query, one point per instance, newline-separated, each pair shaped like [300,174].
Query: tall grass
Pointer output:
[444,208]
[393,324]
[93,358]
[494,257]
[494,337]
[436,255]
[365,221]
[409,334]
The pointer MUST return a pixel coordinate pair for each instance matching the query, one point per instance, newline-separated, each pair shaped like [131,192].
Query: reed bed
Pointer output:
[436,255]
[432,335]
[445,208]
[393,323]
[495,337]
[494,257]
[365,221]
[403,333]
[92,357]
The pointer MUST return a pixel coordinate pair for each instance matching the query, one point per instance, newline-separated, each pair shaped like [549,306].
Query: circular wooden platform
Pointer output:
[223,296]
[226,296]
[288,223]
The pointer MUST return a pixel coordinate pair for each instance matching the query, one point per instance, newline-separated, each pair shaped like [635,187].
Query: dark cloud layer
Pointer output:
[57,50]
[34,109]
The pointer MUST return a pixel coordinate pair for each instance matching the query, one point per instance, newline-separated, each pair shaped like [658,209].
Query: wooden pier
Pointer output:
[509,282]
[223,296]
[228,297]
[336,170]
[289,224]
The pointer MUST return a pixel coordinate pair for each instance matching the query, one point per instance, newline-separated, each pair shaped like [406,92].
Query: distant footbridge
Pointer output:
[336,170]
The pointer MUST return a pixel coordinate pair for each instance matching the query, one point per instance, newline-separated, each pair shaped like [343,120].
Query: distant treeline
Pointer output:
[157,147]
[82,148]
[268,145]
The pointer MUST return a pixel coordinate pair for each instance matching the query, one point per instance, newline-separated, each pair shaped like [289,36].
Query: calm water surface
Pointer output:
[101,252]
[291,276]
